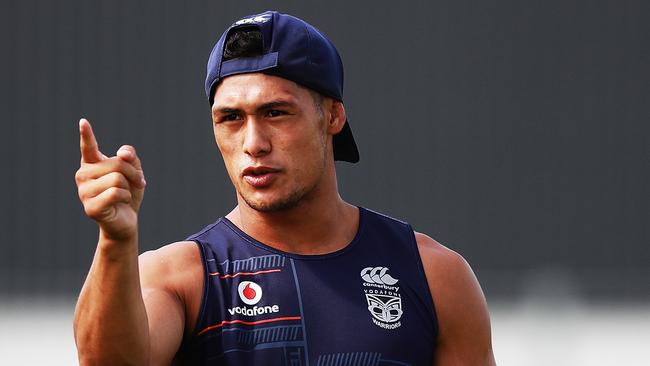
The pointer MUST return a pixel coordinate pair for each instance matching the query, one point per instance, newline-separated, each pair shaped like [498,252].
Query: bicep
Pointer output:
[166,320]
[465,335]
[165,310]
[463,320]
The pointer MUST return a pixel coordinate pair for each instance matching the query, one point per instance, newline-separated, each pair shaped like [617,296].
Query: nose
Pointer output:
[256,140]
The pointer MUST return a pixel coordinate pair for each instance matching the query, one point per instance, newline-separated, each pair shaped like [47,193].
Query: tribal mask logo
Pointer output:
[385,308]
[383,297]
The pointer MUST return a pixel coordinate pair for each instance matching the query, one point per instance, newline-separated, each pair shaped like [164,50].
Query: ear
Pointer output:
[337,117]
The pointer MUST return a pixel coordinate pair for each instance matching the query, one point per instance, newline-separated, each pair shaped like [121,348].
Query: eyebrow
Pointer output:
[261,108]
[274,104]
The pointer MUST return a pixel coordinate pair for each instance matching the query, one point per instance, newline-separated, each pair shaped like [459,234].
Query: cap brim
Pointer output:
[345,148]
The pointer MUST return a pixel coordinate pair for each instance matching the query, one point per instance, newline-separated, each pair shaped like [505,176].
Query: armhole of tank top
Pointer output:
[420,265]
[204,295]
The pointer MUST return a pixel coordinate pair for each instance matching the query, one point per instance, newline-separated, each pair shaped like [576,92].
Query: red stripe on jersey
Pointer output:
[237,321]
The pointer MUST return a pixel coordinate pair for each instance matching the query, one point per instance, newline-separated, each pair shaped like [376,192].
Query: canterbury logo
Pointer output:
[263,18]
[378,275]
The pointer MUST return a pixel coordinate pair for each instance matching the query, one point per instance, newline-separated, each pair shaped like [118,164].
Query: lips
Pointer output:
[259,176]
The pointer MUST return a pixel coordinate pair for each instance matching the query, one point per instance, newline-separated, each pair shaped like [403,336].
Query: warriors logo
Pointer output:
[383,297]
[386,309]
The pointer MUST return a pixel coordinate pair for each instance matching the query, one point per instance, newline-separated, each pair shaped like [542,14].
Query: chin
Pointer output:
[274,205]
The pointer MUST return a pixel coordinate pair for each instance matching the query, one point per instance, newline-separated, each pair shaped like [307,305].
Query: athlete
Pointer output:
[293,275]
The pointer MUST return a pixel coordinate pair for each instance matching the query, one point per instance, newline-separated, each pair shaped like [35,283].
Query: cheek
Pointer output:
[312,138]
[309,154]
[226,147]
[226,142]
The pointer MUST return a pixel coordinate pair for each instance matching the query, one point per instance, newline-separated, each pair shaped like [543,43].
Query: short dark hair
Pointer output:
[247,42]
[243,42]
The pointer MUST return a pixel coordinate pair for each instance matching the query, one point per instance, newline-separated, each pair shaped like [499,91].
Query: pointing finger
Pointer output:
[88,144]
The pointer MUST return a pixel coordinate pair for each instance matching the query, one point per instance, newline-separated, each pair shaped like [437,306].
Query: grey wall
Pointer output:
[515,132]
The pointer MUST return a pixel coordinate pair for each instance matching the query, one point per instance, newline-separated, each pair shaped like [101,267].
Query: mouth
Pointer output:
[259,176]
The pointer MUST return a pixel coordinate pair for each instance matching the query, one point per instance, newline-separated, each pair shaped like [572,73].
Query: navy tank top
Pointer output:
[366,304]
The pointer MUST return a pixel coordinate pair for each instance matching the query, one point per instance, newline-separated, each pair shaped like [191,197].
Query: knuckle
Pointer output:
[117,179]
[80,175]
[113,193]
[82,191]
[116,194]
[90,208]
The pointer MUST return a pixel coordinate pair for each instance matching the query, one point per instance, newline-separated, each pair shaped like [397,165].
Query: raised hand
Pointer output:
[110,188]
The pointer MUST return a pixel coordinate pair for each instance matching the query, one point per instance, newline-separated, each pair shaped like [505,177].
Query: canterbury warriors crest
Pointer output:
[383,297]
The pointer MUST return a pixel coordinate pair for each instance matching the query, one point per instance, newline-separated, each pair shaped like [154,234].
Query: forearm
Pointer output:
[110,323]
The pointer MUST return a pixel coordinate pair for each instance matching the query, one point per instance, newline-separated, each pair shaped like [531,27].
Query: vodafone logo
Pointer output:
[249,292]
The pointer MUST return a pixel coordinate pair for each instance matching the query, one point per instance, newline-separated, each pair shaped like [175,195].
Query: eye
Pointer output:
[228,117]
[275,113]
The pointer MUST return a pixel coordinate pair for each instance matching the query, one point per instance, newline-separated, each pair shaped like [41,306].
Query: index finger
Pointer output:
[87,143]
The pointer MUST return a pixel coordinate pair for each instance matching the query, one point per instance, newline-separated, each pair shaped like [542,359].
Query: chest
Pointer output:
[260,308]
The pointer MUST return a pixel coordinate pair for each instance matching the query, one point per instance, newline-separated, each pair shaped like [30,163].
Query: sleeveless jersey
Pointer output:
[366,304]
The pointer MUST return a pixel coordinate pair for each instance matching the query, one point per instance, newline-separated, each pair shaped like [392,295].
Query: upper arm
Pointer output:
[464,336]
[168,278]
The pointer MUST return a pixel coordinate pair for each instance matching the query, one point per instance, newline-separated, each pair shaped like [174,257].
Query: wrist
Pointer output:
[118,232]
[117,247]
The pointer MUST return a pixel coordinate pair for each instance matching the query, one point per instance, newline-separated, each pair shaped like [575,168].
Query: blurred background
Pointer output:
[514,132]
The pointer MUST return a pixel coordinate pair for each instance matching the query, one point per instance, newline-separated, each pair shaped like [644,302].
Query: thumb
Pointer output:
[128,154]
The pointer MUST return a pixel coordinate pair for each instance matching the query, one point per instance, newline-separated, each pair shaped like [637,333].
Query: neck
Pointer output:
[316,225]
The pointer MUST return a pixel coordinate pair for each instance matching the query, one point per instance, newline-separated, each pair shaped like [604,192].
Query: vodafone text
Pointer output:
[255,310]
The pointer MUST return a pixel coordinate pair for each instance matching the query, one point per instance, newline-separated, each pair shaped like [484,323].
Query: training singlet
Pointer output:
[366,304]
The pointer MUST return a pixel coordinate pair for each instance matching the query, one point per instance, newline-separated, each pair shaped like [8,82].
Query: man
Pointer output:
[293,274]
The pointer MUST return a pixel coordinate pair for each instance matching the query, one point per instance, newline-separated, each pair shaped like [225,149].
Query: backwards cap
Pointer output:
[294,50]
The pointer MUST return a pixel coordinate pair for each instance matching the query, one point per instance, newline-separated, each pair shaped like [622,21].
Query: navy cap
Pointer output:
[294,50]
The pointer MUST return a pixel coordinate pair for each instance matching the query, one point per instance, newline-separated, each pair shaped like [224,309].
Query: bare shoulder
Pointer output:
[171,265]
[463,319]
[449,275]
[175,266]
[439,261]
[176,256]
[432,251]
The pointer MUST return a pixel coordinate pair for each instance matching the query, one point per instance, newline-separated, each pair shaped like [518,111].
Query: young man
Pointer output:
[293,274]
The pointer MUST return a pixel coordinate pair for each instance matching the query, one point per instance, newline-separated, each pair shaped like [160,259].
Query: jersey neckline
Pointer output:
[336,253]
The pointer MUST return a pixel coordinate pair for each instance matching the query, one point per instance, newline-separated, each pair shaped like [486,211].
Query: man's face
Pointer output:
[273,139]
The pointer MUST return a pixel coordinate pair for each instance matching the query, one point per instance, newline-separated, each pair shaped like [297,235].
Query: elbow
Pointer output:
[94,349]
[89,356]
